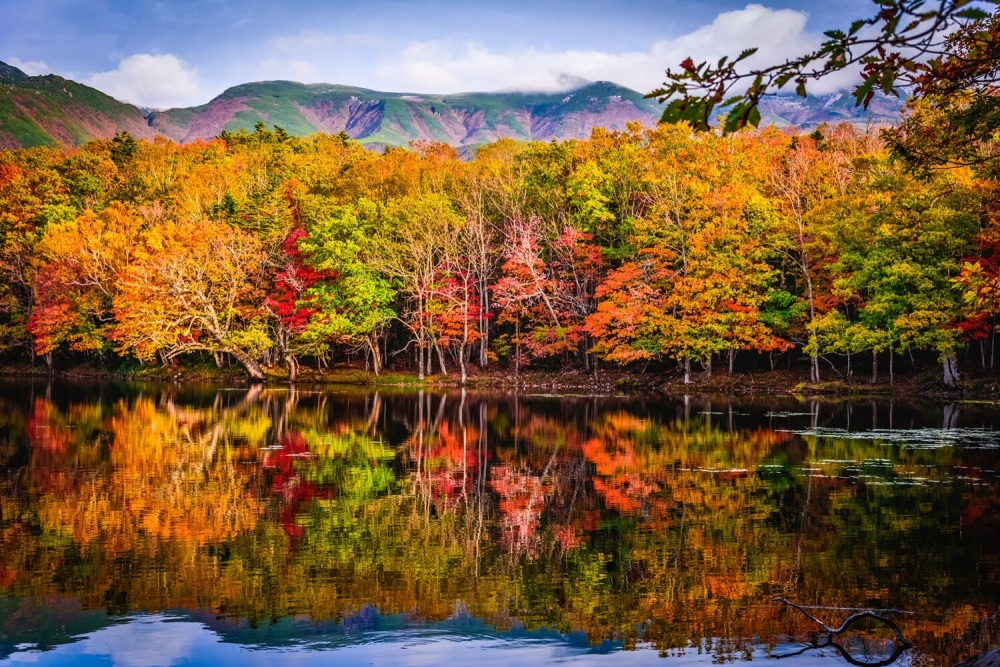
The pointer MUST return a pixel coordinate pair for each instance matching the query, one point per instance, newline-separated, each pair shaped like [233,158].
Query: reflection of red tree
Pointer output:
[51,447]
[45,430]
[621,477]
[626,493]
[288,483]
[451,459]
[522,498]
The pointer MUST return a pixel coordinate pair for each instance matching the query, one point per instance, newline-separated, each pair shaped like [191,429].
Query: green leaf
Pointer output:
[838,59]
[800,89]
[746,53]
[783,79]
[736,118]
[888,79]
[862,92]
[835,34]
[972,14]
[856,26]
[674,112]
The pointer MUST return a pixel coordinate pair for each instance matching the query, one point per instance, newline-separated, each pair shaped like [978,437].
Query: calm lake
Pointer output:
[158,525]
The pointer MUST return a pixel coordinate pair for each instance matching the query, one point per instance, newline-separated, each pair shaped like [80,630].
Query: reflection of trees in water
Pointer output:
[669,522]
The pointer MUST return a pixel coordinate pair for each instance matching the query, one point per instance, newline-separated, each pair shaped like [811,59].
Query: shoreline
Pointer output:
[606,381]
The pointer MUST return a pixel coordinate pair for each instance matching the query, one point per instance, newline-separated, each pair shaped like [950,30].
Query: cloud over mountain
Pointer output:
[448,66]
[157,81]
[30,67]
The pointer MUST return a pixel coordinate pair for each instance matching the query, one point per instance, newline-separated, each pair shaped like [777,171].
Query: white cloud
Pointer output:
[146,641]
[445,66]
[294,69]
[30,67]
[157,81]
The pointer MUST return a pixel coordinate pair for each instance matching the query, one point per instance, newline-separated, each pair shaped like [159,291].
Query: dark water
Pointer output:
[155,525]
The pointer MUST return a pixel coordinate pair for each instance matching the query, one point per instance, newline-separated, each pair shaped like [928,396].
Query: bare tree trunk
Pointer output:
[950,362]
[813,344]
[517,346]
[420,346]
[687,371]
[732,358]
[249,364]
[440,354]
[484,325]
[993,342]
[293,367]
[376,357]
[874,366]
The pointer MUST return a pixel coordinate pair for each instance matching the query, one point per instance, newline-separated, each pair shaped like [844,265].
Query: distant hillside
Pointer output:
[48,110]
[807,113]
[397,118]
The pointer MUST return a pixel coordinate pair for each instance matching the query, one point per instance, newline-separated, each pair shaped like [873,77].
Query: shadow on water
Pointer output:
[490,527]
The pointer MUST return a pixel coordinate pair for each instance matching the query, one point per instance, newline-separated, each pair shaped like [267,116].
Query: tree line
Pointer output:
[652,249]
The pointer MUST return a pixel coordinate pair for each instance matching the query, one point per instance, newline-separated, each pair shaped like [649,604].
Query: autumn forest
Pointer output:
[657,250]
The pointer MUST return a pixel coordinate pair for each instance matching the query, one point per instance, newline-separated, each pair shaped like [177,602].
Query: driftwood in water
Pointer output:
[902,643]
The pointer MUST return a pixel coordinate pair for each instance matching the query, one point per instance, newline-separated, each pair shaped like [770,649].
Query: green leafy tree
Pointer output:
[354,306]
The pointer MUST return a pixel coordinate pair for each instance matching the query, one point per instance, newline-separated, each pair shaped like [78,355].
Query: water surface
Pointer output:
[165,525]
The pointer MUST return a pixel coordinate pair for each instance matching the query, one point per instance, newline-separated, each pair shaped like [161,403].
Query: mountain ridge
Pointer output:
[11,73]
[51,110]
[389,118]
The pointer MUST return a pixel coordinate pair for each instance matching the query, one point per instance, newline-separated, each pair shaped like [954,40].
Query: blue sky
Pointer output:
[177,53]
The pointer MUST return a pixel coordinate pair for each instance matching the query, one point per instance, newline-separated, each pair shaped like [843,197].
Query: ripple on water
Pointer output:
[919,438]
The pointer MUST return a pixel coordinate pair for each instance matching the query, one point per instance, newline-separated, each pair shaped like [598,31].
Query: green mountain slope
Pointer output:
[51,110]
[397,118]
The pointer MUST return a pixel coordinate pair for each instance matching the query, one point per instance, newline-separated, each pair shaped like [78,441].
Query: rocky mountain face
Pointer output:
[48,110]
[809,112]
[396,119]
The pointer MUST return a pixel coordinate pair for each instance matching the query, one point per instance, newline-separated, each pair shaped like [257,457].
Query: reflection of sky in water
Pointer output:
[162,641]
[148,641]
